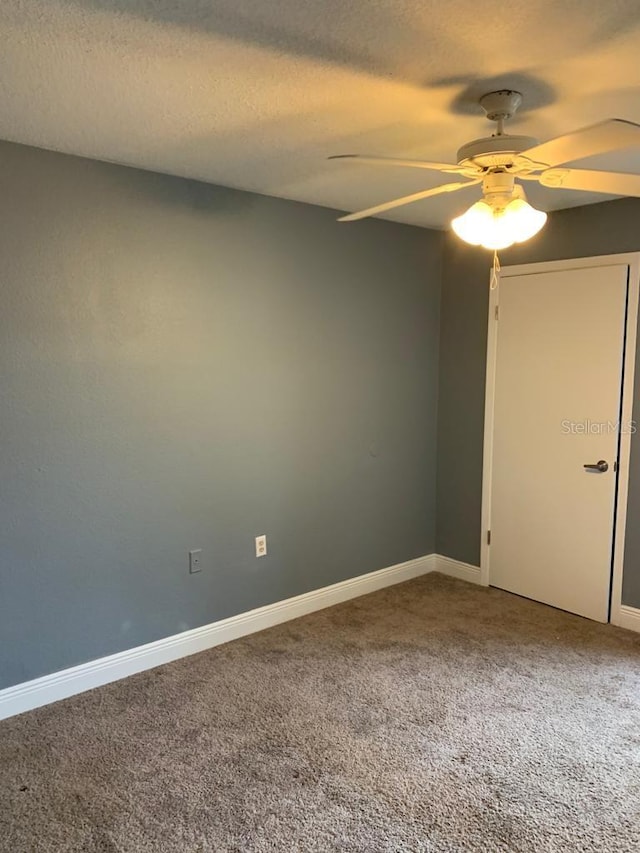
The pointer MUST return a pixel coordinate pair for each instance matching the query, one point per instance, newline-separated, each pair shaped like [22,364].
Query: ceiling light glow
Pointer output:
[494,224]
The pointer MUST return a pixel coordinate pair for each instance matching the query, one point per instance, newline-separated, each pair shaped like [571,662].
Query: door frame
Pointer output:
[632,259]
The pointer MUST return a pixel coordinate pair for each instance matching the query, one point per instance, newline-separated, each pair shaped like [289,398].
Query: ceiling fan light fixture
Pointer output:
[498,226]
[475,224]
[524,220]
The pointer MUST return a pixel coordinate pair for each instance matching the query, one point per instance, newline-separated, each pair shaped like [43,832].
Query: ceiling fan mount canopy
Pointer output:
[501,105]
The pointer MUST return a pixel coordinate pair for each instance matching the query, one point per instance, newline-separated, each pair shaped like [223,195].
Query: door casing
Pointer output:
[632,259]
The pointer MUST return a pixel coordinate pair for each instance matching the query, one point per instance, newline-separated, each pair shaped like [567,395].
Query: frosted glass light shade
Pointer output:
[481,225]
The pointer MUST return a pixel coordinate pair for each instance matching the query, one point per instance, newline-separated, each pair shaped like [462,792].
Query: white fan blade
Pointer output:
[394,161]
[407,199]
[614,183]
[610,135]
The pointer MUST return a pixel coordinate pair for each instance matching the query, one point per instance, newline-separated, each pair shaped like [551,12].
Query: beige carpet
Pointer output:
[432,716]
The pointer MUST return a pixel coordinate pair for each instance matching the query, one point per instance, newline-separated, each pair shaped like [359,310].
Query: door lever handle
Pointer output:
[601,466]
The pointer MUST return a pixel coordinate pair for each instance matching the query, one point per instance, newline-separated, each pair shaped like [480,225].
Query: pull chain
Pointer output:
[495,271]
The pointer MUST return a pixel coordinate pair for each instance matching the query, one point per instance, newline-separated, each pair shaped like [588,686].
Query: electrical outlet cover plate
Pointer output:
[195,561]
[261,546]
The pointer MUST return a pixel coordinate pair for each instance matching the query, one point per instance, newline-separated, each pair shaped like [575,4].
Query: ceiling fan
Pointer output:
[504,216]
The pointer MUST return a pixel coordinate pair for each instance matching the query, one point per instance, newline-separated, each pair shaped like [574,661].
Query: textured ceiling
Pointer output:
[256,94]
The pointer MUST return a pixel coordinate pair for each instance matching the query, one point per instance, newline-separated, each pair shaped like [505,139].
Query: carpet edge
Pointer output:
[47,689]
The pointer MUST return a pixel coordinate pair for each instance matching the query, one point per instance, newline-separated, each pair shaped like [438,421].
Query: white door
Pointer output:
[557,399]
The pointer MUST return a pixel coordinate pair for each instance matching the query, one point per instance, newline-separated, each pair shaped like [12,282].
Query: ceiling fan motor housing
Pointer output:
[492,151]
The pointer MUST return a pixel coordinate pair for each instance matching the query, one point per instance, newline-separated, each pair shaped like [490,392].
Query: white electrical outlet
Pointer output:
[261,546]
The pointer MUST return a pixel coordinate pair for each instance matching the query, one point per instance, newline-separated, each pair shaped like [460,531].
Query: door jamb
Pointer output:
[632,259]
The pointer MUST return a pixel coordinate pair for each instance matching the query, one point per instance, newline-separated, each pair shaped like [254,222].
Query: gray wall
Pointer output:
[187,366]
[593,230]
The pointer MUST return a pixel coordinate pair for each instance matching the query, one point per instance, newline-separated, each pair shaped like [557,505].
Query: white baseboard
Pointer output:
[457,569]
[627,617]
[86,676]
